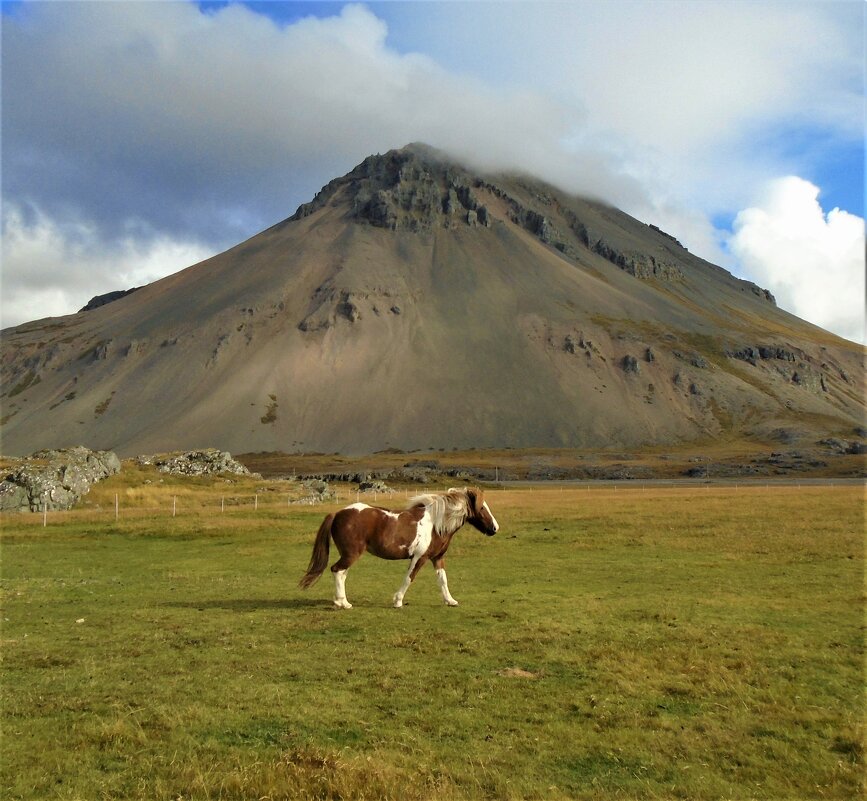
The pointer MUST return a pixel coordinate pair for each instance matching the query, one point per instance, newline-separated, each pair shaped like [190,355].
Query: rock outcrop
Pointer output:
[54,479]
[108,297]
[207,462]
[407,190]
[754,353]
[318,491]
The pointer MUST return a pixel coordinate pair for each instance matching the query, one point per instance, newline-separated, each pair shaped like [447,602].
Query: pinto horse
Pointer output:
[422,532]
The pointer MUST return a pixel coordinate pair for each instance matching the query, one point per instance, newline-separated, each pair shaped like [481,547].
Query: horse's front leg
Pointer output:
[440,567]
[414,566]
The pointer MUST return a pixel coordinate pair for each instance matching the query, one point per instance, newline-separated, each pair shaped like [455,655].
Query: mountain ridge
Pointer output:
[413,303]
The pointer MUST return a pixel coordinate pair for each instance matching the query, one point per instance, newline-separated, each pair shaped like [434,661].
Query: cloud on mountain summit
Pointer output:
[166,128]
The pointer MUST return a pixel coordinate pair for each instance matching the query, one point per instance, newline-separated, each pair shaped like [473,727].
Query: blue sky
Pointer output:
[138,136]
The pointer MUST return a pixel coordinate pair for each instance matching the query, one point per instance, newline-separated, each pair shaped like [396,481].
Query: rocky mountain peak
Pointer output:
[414,188]
[418,188]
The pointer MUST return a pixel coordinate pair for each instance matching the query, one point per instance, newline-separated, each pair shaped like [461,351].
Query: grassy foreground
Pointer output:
[696,643]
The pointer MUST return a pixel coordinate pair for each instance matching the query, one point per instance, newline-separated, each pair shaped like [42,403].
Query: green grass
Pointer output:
[700,644]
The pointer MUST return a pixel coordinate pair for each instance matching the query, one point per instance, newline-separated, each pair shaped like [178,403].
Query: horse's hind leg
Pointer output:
[414,566]
[340,568]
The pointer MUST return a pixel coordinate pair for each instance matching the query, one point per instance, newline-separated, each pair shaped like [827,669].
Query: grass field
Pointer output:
[659,644]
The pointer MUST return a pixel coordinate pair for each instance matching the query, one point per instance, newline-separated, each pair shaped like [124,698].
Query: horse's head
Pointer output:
[480,515]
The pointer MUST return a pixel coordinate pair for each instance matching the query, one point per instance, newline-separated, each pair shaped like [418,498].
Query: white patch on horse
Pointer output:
[444,587]
[358,506]
[340,590]
[392,515]
[493,519]
[418,548]
[423,534]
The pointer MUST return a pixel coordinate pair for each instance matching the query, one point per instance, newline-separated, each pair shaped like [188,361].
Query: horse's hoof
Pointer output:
[342,605]
[397,603]
[452,602]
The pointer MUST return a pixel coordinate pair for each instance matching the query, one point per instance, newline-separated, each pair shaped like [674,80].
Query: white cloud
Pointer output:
[813,262]
[52,268]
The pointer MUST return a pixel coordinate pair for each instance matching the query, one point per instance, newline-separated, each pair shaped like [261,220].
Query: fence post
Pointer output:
[222,504]
[174,505]
[116,508]
[256,502]
[44,512]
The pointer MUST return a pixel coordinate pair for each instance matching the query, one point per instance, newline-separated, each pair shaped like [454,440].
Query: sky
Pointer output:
[141,137]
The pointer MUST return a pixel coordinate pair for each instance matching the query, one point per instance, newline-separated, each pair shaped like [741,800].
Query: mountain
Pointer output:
[415,304]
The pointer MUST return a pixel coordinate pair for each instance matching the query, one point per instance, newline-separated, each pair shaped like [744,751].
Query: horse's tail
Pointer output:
[319,559]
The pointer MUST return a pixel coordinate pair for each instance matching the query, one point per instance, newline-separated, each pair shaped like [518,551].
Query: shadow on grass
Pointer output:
[251,604]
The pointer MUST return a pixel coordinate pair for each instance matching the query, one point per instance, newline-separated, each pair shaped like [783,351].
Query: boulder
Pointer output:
[374,485]
[630,364]
[55,479]
[318,491]
[835,444]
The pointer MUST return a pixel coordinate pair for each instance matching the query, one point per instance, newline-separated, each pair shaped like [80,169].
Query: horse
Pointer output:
[421,532]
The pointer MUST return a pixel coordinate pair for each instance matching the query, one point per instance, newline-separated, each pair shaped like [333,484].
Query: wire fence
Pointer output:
[128,506]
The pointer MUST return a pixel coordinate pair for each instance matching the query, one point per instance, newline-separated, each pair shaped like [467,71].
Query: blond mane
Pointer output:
[448,510]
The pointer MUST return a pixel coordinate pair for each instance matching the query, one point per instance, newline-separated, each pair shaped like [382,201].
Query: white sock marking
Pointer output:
[444,587]
[340,590]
